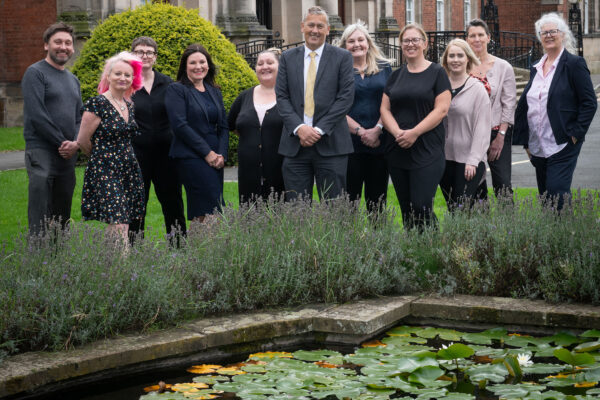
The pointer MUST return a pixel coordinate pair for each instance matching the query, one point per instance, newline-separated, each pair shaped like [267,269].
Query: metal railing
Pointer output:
[519,49]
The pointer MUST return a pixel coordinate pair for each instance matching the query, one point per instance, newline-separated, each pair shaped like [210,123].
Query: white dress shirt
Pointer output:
[309,120]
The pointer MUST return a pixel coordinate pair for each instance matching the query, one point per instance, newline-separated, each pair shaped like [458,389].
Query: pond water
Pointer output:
[410,362]
[407,362]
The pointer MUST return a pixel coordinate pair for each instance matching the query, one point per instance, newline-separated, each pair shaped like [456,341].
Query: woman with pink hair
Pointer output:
[113,189]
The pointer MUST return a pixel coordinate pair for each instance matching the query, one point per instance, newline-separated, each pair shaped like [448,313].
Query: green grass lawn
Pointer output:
[11,139]
[13,204]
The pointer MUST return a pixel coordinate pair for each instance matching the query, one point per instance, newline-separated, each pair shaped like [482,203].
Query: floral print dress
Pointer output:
[113,189]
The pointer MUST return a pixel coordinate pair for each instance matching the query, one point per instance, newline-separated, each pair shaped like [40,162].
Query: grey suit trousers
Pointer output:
[51,186]
[329,172]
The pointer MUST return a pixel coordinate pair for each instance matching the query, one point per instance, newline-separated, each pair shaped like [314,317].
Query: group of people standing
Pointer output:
[336,115]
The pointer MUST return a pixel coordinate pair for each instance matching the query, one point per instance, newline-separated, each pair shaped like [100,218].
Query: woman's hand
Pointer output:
[215,160]
[470,171]
[370,137]
[406,138]
[211,159]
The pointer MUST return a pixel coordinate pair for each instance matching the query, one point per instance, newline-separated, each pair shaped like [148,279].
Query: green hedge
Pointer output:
[173,28]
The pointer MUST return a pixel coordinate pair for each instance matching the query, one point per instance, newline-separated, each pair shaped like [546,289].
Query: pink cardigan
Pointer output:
[468,124]
[501,78]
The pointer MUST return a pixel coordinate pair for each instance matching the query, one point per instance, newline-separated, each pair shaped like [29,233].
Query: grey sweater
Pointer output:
[52,106]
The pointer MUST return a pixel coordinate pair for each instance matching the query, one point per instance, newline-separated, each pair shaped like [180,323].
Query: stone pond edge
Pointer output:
[349,323]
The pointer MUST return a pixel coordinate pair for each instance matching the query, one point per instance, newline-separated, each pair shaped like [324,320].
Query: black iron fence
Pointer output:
[519,49]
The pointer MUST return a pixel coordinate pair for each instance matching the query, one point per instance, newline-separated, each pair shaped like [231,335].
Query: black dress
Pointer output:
[259,172]
[113,190]
[152,152]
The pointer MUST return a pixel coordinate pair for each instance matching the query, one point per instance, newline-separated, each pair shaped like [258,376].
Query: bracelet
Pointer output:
[502,132]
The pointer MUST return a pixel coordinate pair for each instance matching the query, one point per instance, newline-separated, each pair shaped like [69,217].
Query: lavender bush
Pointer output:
[72,287]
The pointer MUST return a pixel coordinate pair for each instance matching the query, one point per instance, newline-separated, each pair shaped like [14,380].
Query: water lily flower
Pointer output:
[524,360]
[445,347]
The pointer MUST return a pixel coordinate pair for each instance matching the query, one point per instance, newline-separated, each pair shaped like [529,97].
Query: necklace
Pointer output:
[122,107]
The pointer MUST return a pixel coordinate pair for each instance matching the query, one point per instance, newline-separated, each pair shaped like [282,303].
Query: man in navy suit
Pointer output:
[315,90]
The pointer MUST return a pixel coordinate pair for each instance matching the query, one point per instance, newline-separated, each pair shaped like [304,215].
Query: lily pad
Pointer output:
[317,355]
[425,375]
[457,350]
[540,368]
[563,339]
[576,359]
[403,340]
[587,347]
[491,372]
[444,334]
[210,379]
[594,333]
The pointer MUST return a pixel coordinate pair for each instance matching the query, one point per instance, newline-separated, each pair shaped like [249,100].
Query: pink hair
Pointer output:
[136,65]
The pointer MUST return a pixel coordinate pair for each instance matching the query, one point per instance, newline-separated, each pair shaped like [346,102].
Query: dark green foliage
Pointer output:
[173,28]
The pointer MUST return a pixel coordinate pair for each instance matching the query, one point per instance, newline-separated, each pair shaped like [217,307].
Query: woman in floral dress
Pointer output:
[113,189]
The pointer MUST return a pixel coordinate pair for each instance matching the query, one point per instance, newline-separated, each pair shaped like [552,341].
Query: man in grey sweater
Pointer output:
[52,113]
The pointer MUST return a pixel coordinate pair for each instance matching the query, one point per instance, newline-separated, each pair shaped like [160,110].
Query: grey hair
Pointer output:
[374,55]
[561,25]
[316,10]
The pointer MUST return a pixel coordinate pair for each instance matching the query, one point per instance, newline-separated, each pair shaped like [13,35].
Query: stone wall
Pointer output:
[591,52]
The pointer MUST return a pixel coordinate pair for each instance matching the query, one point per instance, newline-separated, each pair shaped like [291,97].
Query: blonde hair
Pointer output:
[271,50]
[464,46]
[374,55]
[417,27]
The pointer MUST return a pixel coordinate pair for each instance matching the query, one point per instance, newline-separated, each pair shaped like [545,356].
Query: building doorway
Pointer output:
[264,13]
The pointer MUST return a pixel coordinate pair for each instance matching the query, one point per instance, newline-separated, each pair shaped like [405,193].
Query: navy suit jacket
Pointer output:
[571,104]
[334,95]
[193,135]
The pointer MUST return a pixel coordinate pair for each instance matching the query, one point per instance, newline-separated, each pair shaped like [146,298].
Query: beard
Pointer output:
[60,61]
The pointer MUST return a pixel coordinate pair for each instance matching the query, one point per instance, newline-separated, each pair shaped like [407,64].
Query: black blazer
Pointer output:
[571,104]
[193,135]
[334,94]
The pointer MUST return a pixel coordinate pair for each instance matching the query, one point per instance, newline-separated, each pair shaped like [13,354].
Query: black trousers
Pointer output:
[308,166]
[159,169]
[456,189]
[554,174]
[51,186]
[370,170]
[500,169]
[415,189]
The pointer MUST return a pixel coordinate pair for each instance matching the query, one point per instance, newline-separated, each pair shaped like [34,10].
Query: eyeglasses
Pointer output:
[141,54]
[551,32]
[416,40]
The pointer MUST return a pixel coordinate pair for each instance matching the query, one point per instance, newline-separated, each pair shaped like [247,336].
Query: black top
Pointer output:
[367,102]
[151,114]
[259,162]
[211,108]
[412,98]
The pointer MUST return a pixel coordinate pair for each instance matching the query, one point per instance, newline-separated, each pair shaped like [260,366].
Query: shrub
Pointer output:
[173,28]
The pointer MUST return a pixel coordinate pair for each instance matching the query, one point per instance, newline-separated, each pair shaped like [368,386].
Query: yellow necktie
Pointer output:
[309,98]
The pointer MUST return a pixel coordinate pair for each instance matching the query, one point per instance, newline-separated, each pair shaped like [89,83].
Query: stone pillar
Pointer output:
[387,22]
[240,24]
[335,22]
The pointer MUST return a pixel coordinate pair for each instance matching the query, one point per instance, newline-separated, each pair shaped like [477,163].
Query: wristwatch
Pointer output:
[380,127]
[356,130]
[502,132]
